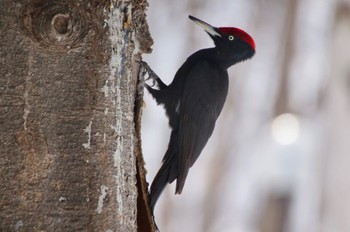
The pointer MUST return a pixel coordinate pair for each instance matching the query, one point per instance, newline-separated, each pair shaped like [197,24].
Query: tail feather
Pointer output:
[166,174]
[159,183]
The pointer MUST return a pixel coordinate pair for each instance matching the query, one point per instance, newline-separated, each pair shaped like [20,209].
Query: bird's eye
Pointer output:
[231,37]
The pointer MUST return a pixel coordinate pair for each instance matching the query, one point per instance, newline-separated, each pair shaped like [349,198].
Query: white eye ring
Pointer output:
[231,37]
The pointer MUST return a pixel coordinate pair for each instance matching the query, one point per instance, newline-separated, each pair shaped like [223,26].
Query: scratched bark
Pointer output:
[68,131]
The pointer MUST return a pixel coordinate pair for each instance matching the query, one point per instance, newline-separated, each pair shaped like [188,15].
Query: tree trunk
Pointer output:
[70,114]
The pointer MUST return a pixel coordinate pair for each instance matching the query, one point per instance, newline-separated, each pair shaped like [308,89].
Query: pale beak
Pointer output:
[208,28]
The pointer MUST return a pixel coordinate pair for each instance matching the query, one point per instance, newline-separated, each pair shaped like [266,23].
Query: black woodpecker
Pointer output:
[194,100]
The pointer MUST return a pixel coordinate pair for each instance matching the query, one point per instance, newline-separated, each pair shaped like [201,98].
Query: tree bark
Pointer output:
[70,114]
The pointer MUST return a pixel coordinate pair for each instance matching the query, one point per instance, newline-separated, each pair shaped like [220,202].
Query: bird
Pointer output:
[193,101]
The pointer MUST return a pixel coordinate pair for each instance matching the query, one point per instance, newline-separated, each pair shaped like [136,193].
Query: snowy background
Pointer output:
[279,158]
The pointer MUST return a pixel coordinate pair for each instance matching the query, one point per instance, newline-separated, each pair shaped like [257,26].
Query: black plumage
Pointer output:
[194,100]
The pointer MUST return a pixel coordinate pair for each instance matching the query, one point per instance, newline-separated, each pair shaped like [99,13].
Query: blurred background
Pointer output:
[279,158]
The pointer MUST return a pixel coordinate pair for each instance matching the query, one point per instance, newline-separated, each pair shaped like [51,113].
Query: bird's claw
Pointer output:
[145,68]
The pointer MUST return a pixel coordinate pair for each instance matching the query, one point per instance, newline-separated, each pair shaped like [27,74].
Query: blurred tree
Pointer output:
[336,185]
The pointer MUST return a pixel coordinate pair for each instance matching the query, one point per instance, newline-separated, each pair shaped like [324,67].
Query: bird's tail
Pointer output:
[166,174]
[159,183]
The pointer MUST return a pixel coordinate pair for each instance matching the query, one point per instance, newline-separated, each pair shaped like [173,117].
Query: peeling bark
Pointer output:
[69,116]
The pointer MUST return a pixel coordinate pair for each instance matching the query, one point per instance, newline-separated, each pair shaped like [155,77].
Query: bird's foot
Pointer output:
[155,80]
[145,74]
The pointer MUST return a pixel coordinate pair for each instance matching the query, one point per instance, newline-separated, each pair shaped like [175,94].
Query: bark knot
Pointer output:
[56,24]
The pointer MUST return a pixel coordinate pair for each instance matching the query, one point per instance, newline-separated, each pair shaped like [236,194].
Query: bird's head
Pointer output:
[232,43]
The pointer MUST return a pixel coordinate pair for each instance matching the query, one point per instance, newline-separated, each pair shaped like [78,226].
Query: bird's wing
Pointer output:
[203,96]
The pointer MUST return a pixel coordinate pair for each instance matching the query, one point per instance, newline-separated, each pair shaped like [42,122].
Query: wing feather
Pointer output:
[203,97]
